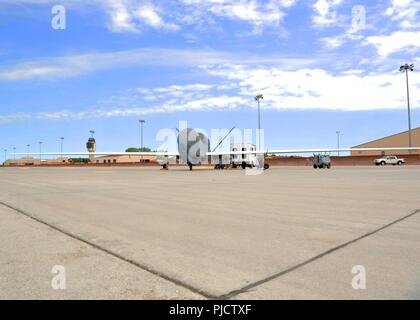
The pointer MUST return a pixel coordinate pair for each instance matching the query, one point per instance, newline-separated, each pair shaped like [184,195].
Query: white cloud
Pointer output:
[406,12]
[325,12]
[14,117]
[150,17]
[123,15]
[337,41]
[133,15]
[287,83]
[257,13]
[395,42]
[334,42]
[121,20]
[319,89]
[178,94]
[70,66]
[130,16]
[301,89]
[80,64]
[222,102]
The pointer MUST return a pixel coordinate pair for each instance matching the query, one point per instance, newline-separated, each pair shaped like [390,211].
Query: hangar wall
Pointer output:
[396,140]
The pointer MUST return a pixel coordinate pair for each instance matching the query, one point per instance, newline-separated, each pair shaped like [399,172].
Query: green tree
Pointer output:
[145,149]
[79,160]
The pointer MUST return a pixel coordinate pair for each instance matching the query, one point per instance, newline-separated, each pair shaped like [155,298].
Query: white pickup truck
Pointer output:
[389,160]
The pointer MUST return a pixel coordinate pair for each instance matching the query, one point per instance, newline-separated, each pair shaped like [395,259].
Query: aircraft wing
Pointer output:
[158,153]
[217,153]
[297,151]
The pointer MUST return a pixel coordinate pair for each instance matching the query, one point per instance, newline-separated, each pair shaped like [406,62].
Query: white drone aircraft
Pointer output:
[194,150]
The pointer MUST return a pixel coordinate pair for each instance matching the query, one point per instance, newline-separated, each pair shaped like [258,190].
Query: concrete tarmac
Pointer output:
[142,233]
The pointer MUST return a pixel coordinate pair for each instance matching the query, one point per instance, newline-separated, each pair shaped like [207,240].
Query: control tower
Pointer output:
[91,146]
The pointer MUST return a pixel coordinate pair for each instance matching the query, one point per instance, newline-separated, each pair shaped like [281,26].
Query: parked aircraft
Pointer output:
[194,150]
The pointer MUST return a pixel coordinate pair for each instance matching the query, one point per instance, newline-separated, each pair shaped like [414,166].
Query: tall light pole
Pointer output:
[61,146]
[338,142]
[14,153]
[27,149]
[405,68]
[141,137]
[258,98]
[40,151]
[141,133]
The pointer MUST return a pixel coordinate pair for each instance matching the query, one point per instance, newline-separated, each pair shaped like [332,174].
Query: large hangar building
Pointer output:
[395,140]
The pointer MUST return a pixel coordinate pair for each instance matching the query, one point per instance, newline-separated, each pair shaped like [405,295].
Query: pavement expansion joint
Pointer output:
[317,257]
[112,253]
[200,291]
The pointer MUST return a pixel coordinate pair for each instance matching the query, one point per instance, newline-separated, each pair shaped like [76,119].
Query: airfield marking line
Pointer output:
[114,254]
[317,257]
[199,291]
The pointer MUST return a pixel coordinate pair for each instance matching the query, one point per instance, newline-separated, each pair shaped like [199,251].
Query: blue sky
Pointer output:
[322,65]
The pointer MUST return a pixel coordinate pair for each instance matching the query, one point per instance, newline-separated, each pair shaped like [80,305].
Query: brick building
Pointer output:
[124,159]
[29,161]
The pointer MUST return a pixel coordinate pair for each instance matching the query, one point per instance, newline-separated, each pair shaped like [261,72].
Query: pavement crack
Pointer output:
[317,257]
[112,253]
[193,289]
